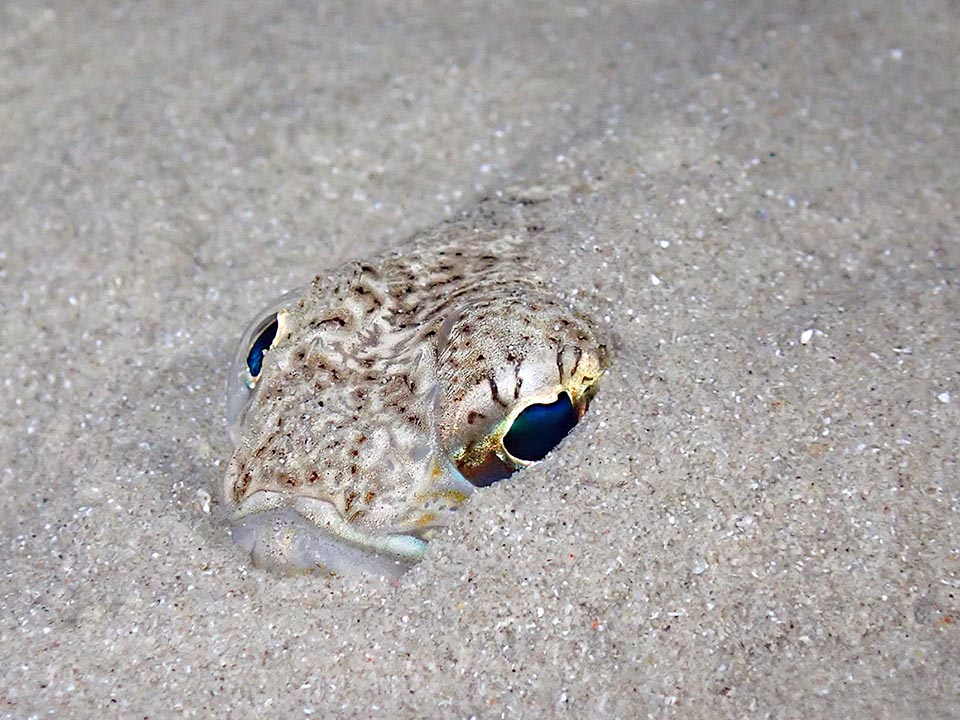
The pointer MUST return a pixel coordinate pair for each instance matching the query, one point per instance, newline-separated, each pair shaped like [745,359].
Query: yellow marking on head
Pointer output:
[450,494]
[426,519]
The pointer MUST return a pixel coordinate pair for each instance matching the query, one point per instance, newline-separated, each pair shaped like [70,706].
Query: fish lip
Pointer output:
[285,540]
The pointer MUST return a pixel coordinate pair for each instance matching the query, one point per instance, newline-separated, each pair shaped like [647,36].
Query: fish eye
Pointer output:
[268,329]
[531,435]
[539,428]
[262,343]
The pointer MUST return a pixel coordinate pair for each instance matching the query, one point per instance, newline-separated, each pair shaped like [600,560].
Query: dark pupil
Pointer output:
[539,428]
[260,346]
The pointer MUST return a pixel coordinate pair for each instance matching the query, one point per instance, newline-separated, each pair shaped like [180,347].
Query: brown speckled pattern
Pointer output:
[389,364]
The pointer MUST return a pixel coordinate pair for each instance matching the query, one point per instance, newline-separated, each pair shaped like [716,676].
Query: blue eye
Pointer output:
[540,428]
[260,346]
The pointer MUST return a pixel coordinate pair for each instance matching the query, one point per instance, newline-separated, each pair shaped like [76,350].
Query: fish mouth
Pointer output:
[309,535]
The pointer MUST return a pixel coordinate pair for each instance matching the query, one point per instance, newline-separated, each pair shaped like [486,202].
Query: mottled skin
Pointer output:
[388,375]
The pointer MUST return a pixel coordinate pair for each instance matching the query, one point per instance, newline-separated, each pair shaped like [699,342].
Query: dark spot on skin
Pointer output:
[495,392]
[349,500]
[339,321]
[241,488]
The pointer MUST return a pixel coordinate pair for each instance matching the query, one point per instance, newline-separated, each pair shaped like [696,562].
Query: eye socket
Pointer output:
[532,434]
[268,329]
[260,346]
[540,428]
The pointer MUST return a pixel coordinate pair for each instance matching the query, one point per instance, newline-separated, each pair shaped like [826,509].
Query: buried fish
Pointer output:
[368,406]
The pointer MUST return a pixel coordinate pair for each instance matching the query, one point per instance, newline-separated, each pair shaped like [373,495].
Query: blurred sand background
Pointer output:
[760,516]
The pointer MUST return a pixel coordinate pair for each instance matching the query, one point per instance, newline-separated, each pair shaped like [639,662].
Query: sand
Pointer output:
[760,515]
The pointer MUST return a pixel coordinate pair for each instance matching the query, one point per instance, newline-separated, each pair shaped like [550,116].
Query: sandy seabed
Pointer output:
[760,515]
